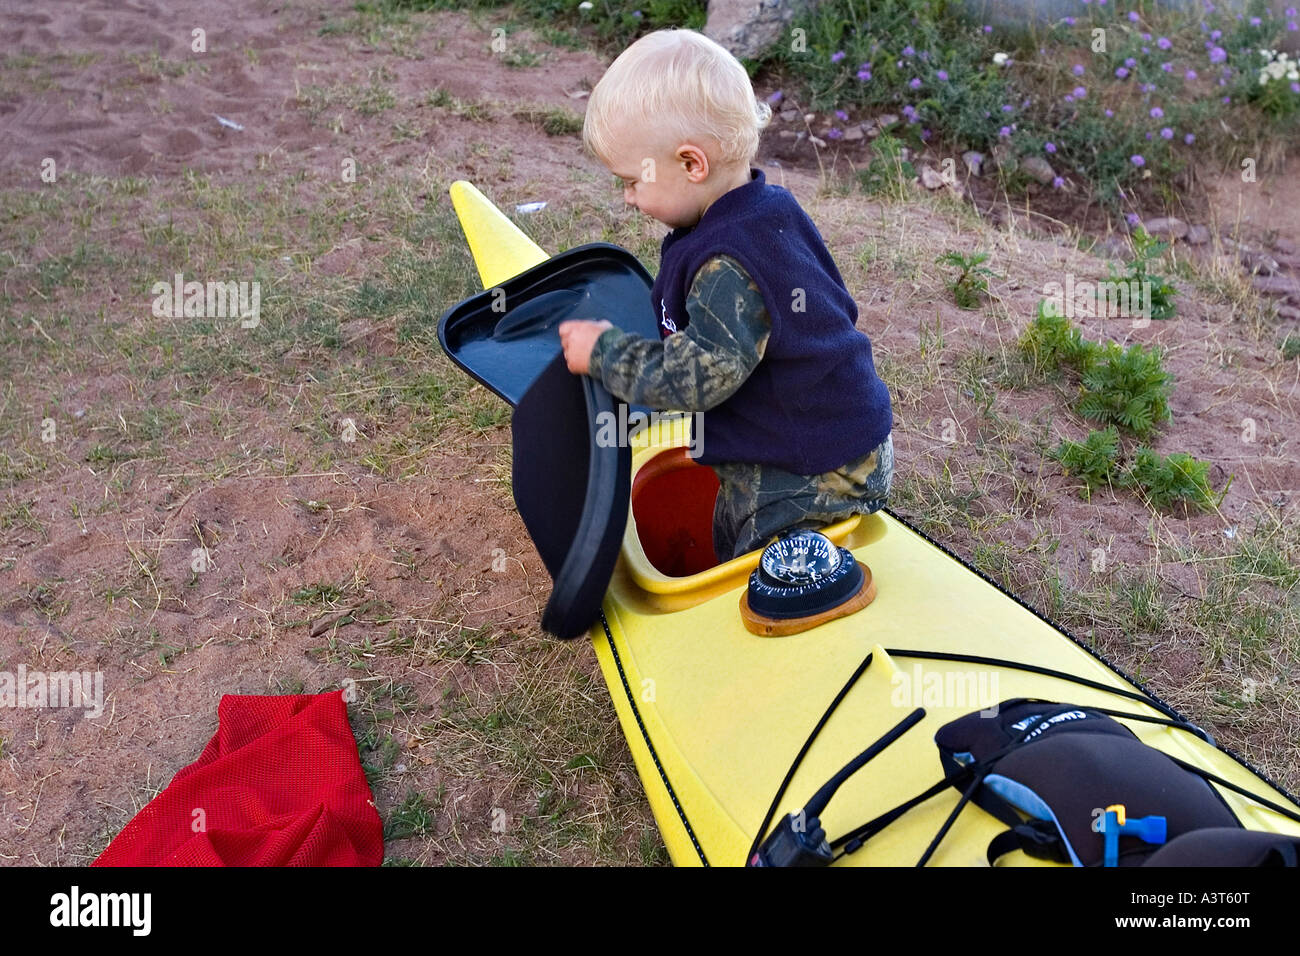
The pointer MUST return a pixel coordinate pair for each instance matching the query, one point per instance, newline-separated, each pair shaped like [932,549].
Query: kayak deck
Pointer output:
[714,715]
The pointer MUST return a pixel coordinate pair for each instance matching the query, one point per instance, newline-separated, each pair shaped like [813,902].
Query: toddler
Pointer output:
[756,326]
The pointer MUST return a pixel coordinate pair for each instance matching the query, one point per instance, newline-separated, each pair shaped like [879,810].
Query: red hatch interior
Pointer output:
[672,505]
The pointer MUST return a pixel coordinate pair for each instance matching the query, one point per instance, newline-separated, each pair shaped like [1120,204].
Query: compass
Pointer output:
[802,576]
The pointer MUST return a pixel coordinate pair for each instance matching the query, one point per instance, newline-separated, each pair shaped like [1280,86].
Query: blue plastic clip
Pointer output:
[1113,824]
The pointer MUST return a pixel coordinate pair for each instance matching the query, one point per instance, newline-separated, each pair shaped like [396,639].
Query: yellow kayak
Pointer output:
[715,714]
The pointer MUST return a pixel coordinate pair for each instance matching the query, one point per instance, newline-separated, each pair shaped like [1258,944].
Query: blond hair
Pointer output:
[679,86]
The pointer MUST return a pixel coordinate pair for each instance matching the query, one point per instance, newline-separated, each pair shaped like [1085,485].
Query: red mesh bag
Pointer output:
[280,784]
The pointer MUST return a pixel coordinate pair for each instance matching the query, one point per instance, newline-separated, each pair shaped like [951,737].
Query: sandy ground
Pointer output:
[113,89]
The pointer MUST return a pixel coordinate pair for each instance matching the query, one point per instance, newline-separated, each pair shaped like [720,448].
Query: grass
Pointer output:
[197,384]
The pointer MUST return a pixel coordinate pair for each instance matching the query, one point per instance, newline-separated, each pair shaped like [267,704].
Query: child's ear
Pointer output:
[694,161]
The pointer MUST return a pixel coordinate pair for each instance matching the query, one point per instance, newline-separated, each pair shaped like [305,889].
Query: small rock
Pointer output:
[1277,285]
[809,117]
[853,133]
[1004,158]
[886,120]
[789,116]
[1288,312]
[1170,228]
[1197,235]
[1039,168]
[1260,263]
[788,134]
[1284,246]
[817,142]
[873,132]
[930,177]
[973,160]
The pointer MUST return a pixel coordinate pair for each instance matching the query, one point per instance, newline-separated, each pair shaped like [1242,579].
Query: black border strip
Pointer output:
[1101,657]
[627,691]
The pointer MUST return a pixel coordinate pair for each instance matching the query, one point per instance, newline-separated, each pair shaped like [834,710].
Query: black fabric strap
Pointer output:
[1038,838]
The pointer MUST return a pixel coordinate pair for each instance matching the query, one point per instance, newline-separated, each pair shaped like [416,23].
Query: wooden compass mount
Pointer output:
[782,627]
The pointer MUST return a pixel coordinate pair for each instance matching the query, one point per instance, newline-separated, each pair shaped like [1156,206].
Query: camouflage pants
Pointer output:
[756,503]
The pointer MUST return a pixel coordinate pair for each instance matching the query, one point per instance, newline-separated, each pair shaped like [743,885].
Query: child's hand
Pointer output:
[578,338]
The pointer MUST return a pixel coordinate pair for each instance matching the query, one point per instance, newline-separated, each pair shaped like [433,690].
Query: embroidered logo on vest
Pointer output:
[666,322]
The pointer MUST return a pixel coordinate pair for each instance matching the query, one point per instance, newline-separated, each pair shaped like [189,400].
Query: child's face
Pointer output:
[673,187]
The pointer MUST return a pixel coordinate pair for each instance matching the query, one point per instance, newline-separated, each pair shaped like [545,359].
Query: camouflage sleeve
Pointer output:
[701,366]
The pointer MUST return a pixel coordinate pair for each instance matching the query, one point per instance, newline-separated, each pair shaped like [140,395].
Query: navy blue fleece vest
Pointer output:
[814,403]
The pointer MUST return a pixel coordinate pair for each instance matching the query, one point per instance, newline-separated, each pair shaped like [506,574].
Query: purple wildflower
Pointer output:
[1133,16]
[1077,69]
[1132,219]
[775,97]
[1189,75]
[1080,92]
[1164,43]
[1157,112]
[1254,21]
[834,133]
[1050,147]
[1167,67]
[908,51]
[987,28]
[864,75]
[1110,113]
[1130,63]
[837,56]
[1058,182]
[842,116]
[1216,34]
[1004,132]
[1218,55]
[1189,139]
[1137,160]
[943,76]
[914,83]
[1166,133]
[1121,72]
